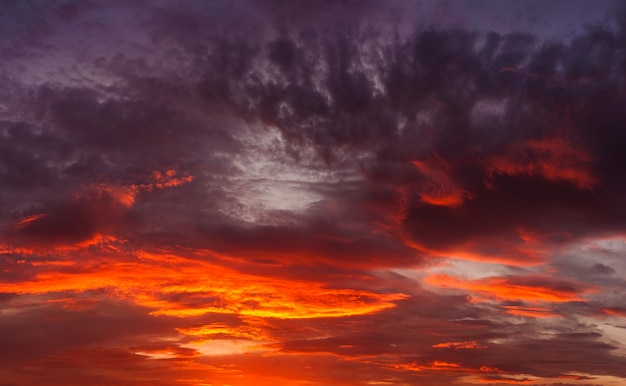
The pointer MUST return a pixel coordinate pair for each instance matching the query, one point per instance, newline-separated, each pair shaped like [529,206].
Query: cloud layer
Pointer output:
[270,192]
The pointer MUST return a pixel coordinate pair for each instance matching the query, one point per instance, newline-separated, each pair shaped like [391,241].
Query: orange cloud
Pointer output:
[219,330]
[516,256]
[10,249]
[161,180]
[166,351]
[434,365]
[123,195]
[176,286]
[459,345]
[532,288]
[509,380]
[126,195]
[489,369]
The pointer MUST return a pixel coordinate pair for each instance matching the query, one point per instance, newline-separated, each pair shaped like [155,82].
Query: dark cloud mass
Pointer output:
[304,193]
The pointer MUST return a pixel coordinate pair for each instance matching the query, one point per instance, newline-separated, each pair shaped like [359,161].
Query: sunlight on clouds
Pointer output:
[250,333]
[460,345]
[216,347]
[533,312]
[181,289]
[531,288]
[301,193]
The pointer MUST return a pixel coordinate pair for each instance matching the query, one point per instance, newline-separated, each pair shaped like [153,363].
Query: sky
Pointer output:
[319,193]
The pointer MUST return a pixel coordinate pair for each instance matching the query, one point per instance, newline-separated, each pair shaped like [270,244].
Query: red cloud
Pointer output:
[528,288]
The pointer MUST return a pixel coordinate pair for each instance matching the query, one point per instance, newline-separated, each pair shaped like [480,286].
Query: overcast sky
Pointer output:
[315,193]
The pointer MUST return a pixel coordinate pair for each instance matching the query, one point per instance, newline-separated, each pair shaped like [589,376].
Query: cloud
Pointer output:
[529,288]
[277,192]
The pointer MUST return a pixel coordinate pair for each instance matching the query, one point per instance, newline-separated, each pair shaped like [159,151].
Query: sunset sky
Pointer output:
[319,193]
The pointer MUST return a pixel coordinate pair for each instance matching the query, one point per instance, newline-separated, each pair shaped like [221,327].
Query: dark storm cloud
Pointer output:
[527,129]
[524,131]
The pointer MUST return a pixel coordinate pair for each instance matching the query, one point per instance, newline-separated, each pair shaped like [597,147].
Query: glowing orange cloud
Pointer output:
[248,331]
[185,287]
[162,180]
[166,352]
[98,239]
[513,381]
[434,365]
[123,195]
[459,345]
[518,256]
[507,288]
[10,249]
[126,195]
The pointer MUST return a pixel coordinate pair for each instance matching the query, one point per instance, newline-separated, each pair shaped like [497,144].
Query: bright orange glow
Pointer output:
[166,352]
[430,366]
[228,292]
[221,329]
[513,381]
[504,288]
[452,199]
[444,364]
[460,345]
